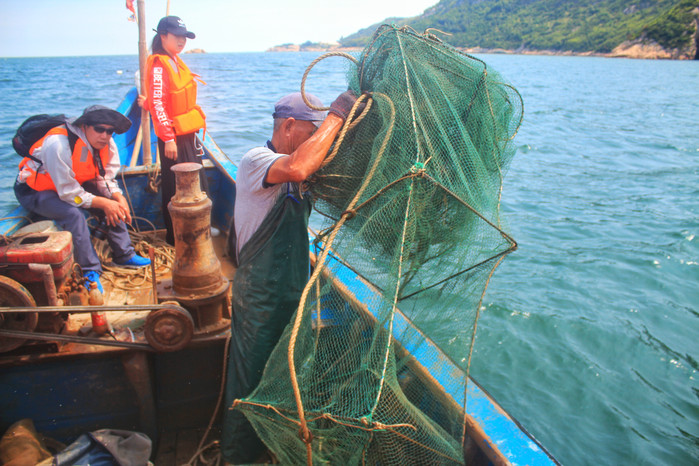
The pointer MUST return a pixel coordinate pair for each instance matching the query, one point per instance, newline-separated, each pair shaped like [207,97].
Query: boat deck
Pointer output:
[128,324]
[179,447]
[173,395]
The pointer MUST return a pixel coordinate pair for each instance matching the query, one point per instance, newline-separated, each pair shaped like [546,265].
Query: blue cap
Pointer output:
[293,106]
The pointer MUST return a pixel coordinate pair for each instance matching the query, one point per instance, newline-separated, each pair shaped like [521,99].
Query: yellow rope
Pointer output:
[126,191]
[395,299]
[5,239]
[368,426]
[349,127]
[134,279]
[308,70]
[306,435]
[153,180]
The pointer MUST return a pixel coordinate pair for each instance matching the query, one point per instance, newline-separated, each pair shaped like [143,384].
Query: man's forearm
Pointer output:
[309,156]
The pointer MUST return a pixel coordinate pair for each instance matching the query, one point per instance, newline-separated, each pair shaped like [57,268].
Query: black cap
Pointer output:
[101,115]
[174,25]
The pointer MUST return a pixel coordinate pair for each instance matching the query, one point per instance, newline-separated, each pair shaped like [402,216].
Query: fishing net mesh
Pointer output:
[376,358]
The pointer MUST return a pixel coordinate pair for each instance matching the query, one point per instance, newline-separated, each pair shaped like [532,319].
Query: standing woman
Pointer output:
[172,100]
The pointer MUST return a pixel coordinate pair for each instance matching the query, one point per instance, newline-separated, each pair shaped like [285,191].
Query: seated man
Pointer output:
[71,178]
[271,245]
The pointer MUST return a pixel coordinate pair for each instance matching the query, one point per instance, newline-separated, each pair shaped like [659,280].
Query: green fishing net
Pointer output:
[382,339]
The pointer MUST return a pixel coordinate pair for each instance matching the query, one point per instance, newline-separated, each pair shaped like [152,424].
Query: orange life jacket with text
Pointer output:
[187,117]
[82,159]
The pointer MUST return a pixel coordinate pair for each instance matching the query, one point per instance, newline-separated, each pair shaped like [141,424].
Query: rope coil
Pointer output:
[134,279]
[308,70]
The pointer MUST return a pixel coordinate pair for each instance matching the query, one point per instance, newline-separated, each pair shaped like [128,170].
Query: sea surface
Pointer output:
[589,334]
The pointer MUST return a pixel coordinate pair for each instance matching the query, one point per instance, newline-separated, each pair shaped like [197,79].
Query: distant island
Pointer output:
[660,29]
[309,46]
[195,51]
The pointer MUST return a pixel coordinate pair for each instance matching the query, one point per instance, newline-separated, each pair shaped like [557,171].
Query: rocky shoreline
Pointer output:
[629,49]
[639,49]
[315,47]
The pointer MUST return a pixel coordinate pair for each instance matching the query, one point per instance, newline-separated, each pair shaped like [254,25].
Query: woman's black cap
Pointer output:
[174,25]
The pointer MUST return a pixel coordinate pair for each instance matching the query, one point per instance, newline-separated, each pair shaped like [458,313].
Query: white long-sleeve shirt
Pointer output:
[57,161]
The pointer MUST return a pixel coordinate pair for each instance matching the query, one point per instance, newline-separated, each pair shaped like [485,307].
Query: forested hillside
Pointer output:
[557,25]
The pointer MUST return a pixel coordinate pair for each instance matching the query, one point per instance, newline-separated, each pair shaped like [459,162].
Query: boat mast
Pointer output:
[142,56]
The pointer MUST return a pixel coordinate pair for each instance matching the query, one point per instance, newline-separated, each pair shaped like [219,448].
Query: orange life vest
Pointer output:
[83,164]
[187,116]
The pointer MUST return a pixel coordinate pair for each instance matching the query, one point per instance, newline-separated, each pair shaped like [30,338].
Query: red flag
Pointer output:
[129,6]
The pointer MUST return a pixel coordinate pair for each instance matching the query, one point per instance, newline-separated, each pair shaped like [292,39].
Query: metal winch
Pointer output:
[34,266]
[197,282]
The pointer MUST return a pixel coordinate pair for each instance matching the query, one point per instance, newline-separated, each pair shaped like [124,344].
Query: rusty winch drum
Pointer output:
[197,282]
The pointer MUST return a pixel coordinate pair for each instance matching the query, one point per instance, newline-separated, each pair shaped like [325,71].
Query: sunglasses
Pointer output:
[102,129]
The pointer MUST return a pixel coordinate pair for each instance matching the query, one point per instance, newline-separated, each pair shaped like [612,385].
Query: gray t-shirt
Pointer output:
[254,198]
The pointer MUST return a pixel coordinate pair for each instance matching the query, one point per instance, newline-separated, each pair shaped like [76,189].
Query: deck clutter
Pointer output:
[39,270]
[48,325]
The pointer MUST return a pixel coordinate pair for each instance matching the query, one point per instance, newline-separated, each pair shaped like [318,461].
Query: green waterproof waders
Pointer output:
[273,268]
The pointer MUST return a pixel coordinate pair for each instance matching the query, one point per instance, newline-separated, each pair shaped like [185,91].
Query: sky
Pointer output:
[44,28]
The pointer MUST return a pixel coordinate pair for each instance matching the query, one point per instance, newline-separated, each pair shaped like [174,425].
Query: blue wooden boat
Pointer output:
[71,382]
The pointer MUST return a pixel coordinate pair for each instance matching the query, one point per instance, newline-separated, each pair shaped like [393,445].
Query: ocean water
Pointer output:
[588,335]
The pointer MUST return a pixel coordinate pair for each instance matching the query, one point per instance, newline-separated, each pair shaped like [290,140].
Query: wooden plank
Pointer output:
[187,442]
[167,446]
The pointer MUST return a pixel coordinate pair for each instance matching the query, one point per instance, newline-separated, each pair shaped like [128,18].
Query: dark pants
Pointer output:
[188,150]
[72,219]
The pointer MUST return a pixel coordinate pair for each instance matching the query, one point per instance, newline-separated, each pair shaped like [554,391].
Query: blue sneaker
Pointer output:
[135,262]
[92,276]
